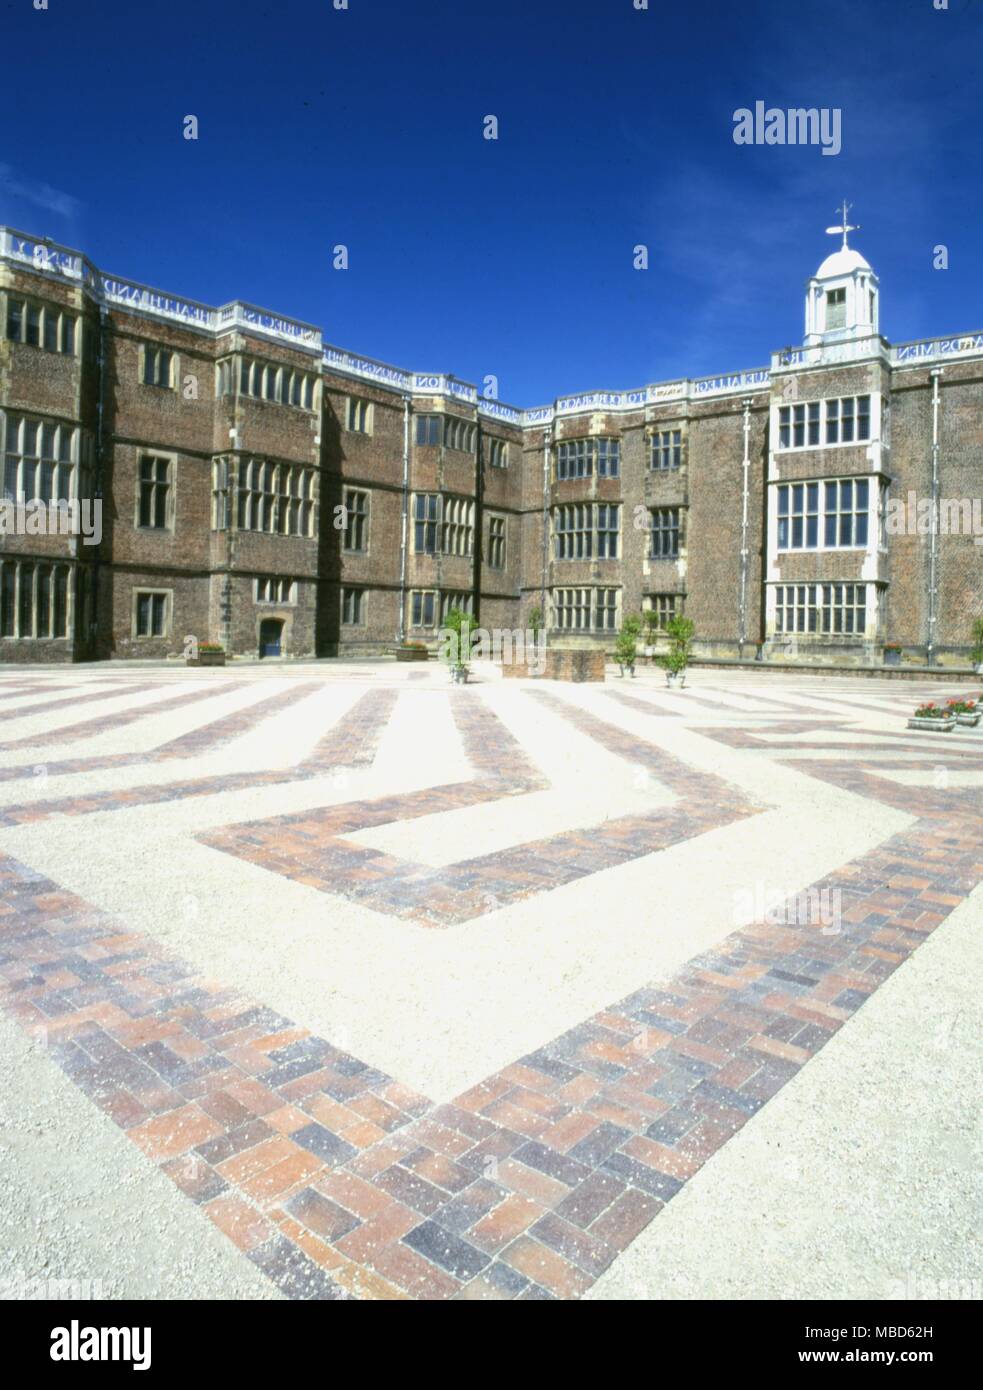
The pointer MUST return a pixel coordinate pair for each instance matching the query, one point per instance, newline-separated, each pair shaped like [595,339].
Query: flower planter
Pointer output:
[929,726]
[207,659]
[892,658]
[412,654]
[970,720]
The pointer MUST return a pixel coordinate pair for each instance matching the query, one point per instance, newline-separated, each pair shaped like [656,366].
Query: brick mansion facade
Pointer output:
[284,497]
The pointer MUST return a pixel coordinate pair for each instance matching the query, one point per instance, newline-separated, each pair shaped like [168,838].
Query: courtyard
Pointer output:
[331,981]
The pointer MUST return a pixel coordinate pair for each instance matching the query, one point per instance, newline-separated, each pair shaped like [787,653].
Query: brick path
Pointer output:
[337,1180]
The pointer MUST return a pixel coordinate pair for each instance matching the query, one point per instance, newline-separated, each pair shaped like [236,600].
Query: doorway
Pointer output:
[271,637]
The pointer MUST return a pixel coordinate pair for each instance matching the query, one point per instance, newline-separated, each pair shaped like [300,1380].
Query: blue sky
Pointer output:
[514,257]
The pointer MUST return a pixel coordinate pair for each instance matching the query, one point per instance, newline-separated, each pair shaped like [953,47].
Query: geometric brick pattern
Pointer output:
[337,1180]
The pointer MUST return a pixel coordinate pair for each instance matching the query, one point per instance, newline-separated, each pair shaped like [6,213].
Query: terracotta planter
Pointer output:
[930,726]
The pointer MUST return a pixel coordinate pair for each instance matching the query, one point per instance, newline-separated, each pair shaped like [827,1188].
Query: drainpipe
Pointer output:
[933,560]
[479,518]
[744,525]
[547,441]
[98,489]
[401,630]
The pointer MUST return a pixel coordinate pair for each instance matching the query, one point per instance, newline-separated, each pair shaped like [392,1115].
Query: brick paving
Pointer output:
[310,847]
[339,1181]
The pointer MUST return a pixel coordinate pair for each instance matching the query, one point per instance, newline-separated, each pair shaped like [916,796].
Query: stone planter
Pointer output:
[565,664]
[970,720]
[892,658]
[207,659]
[412,654]
[936,726]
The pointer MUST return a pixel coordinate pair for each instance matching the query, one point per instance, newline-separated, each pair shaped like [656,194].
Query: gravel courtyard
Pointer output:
[336,981]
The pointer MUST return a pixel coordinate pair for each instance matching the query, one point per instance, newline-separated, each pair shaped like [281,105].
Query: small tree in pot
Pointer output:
[978,644]
[651,619]
[680,631]
[457,637]
[626,646]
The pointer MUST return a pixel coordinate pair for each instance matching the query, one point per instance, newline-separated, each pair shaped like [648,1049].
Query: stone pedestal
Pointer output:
[562,664]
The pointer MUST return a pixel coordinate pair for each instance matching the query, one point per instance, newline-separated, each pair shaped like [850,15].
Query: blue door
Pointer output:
[270,637]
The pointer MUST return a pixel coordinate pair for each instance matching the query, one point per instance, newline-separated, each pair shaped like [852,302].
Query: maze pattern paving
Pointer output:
[339,1181]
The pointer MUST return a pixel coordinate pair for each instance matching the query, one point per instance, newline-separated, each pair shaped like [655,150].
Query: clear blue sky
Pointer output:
[364,127]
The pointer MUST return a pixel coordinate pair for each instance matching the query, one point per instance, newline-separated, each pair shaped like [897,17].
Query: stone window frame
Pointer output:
[822,609]
[361,518]
[455,598]
[359,596]
[459,435]
[279,581]
[362,411]
[671,529]
[497,540]
[585,602]
[666,445]
[170,502]
[817,419]
[48,314]
[297,499]
[275,383]
[151,357]
[223,495]
[822,514]
[144,592]
[423,595]
[428,423]
[665,604]
[12,610]
[443,524]
[496,451]
[587,456]
[583,531]
[457,525]
[427,514]
[75,463]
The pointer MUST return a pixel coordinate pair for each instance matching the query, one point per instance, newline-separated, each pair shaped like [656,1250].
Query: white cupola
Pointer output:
[842,299]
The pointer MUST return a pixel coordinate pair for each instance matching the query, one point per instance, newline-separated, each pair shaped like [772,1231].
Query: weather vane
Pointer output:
[844,227]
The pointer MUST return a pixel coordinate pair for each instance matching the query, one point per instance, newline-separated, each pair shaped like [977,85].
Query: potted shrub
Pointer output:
[209,654]
[625,647]
[932,718]
[966,711]
[457,636]
[978,645]
[412,651]
[892,654]
[651,618]
[680,633]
